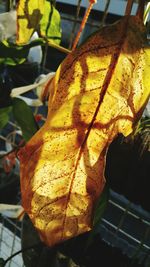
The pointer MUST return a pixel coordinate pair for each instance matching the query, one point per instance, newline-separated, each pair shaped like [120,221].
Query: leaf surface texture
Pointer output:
[98,91]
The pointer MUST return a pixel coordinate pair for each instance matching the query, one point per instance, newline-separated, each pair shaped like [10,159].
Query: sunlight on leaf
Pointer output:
[99,91]
[24,117]
[29,14]
[50,23]
[4,116]
[99,211]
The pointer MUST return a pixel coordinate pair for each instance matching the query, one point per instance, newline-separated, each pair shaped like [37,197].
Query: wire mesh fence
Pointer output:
[10,241]
[128,228]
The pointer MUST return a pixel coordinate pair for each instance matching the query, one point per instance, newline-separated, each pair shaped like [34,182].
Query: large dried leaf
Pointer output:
[29,14]
[98,91]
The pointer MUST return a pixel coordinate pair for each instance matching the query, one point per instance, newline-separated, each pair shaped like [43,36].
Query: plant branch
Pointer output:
[87,13]
[75,23]
[58,47]
[140,10]
[128,7]
[105,13]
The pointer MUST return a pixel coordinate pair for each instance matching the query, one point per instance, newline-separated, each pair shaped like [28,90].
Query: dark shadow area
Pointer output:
[127,168]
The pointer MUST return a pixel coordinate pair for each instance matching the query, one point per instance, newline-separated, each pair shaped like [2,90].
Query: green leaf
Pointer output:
[50,23]
[29,14]
[2,262]
[4,116]
[24,117]
[12,54]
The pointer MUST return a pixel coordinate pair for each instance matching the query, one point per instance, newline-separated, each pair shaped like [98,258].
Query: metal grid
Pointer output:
[10,241]
[127,226]
[128,230]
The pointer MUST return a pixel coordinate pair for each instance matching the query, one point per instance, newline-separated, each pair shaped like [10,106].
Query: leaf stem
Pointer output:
[140,10]
[105,13]
[87,13]
[75,23]
[58,47]
[128,7]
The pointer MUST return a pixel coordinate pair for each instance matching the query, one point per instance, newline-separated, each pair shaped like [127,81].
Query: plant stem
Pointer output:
[140,11]
[128,7]
[75,23]
[44,56]
[105,13]
[58,47]
[87,13]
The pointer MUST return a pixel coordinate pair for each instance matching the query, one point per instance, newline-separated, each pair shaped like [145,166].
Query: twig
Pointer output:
[44,57]
[140,10]
[46,41]
[105,13]
[75,23]
[58,47]
[87,13]
[128,7]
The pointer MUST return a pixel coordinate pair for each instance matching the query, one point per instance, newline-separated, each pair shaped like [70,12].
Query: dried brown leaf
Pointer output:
[98,91]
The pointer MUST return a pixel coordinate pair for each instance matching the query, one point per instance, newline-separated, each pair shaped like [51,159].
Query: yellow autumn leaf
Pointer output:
[98,91]
[29,14]
[50,26]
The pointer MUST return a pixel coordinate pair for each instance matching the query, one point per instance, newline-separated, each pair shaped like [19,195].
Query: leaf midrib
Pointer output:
[102,95]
